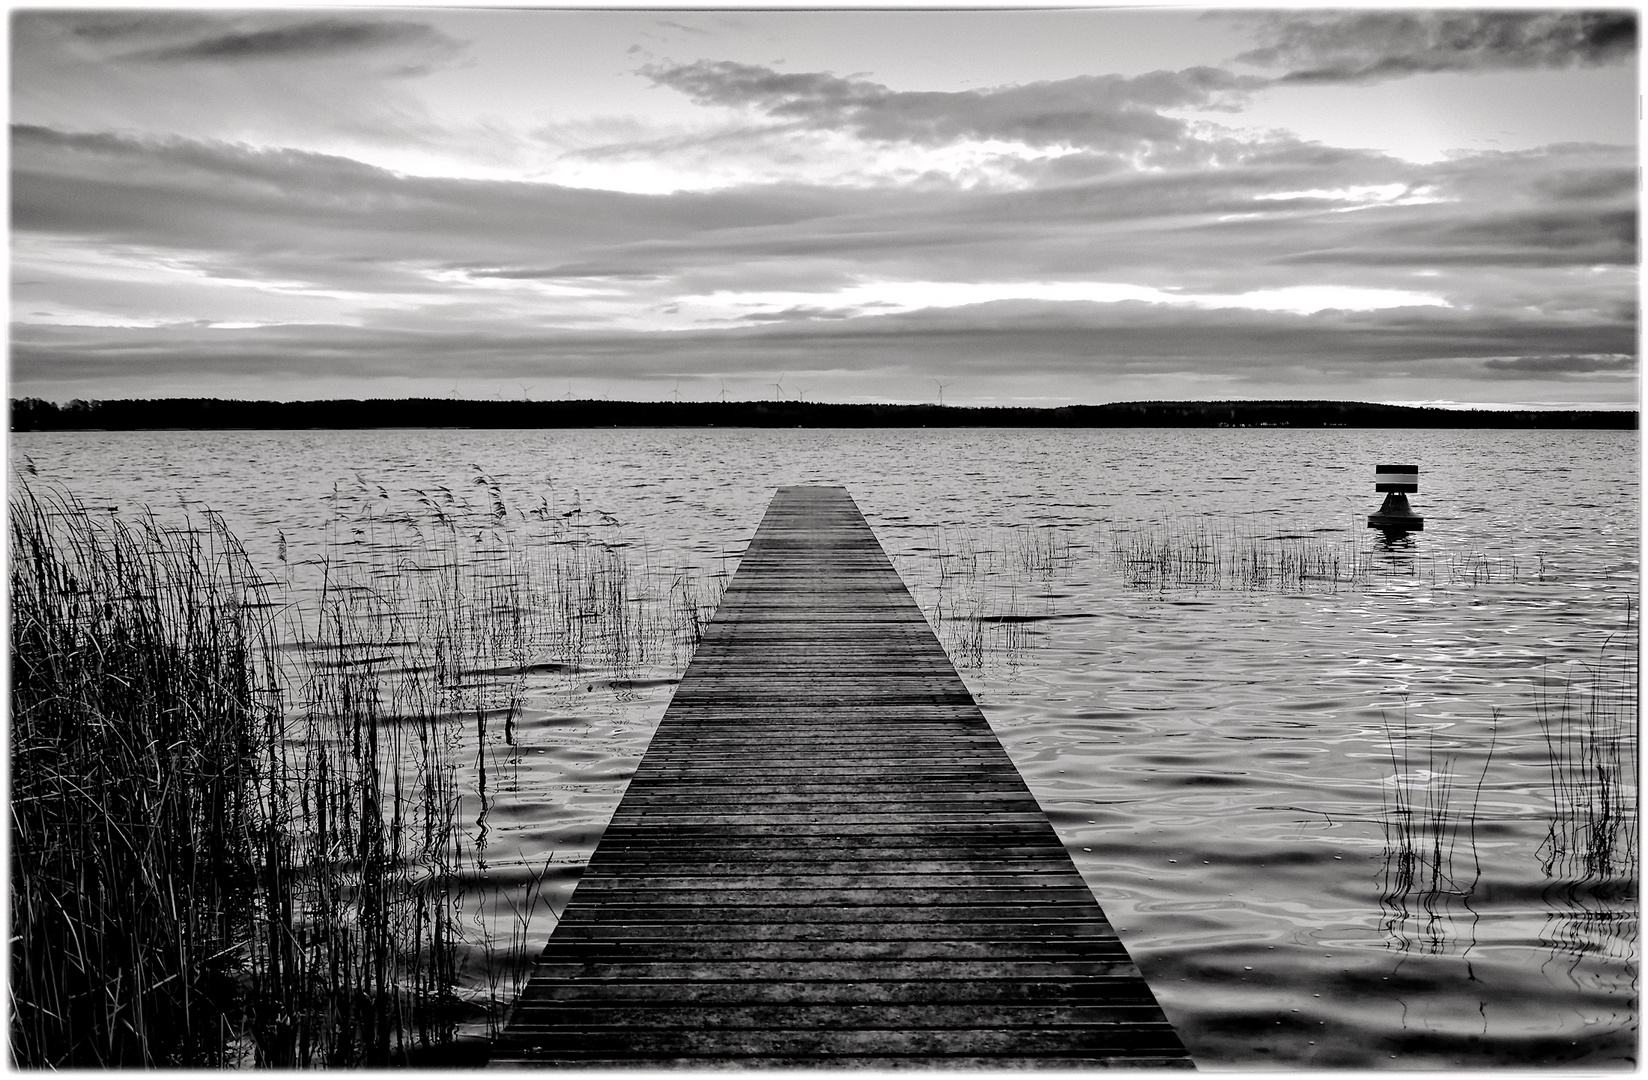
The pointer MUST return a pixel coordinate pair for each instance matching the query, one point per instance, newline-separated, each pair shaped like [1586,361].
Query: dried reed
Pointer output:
[140,714]
[257,832]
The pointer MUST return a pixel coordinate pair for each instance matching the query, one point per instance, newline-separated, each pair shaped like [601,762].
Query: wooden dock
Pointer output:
[827,858]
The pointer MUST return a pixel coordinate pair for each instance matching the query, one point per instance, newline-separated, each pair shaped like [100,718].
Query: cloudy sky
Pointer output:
[1018,207]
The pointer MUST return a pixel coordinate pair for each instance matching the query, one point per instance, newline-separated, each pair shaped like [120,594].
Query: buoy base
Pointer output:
[1395,516]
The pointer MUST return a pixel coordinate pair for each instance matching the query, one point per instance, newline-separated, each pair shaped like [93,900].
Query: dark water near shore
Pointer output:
[1353,820]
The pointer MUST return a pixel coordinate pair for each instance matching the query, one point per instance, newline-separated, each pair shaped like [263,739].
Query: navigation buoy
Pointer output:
[1395,516]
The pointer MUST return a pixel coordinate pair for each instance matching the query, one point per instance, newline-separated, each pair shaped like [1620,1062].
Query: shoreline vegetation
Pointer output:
[241,808]
[208,414]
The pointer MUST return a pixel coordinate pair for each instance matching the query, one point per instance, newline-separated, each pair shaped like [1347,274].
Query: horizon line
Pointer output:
[1431,405]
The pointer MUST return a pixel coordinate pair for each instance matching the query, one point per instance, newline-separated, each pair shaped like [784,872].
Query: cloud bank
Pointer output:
[1110,243]
[1105,112]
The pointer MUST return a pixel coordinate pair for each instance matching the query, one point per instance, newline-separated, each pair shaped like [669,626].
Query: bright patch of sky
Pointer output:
[1362,195]
[828,158]
[1428,118]
[888,297]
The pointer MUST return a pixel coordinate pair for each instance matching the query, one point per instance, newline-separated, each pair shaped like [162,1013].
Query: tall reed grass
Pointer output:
[141,712]
[363,860]
[257,809]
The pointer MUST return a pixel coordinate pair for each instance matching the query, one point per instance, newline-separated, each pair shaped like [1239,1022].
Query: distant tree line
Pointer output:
[33,414]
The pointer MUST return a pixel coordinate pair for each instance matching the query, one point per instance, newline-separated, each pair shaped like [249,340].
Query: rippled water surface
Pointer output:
[1348,803]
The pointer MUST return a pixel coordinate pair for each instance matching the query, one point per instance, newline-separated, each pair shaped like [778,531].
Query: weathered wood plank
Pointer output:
[892,1017]
[612,910]
[646,1045]
[638,928]
[826,857]
[1042,993]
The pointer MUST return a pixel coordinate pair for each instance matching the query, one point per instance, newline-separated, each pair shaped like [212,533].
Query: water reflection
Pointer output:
[1396,541]
[1431,866]
[1587,713]
[1588,718]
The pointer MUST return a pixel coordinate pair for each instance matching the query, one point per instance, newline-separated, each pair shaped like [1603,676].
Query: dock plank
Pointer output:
[826,857]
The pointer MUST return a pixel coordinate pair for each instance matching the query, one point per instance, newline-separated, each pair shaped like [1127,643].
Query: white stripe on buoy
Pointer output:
[1396,478]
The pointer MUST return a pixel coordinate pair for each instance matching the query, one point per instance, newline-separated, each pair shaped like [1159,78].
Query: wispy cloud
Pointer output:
[329,37]
[173,37]
[1110,112]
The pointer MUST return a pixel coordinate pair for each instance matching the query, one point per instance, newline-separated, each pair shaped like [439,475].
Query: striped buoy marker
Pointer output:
[1395,516]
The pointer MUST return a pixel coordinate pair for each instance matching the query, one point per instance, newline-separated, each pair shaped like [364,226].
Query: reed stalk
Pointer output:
[1430,822]
[1588,717]
[1211,553]
[139,712]
[246,831]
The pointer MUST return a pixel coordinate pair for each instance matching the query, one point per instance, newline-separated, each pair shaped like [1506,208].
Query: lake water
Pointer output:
[1379,815]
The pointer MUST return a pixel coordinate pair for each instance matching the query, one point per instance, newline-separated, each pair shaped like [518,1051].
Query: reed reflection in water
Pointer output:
[1588,715]
[1429,818]
[985,590]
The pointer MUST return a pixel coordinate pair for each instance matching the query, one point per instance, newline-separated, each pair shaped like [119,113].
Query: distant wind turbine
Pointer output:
[941,386]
